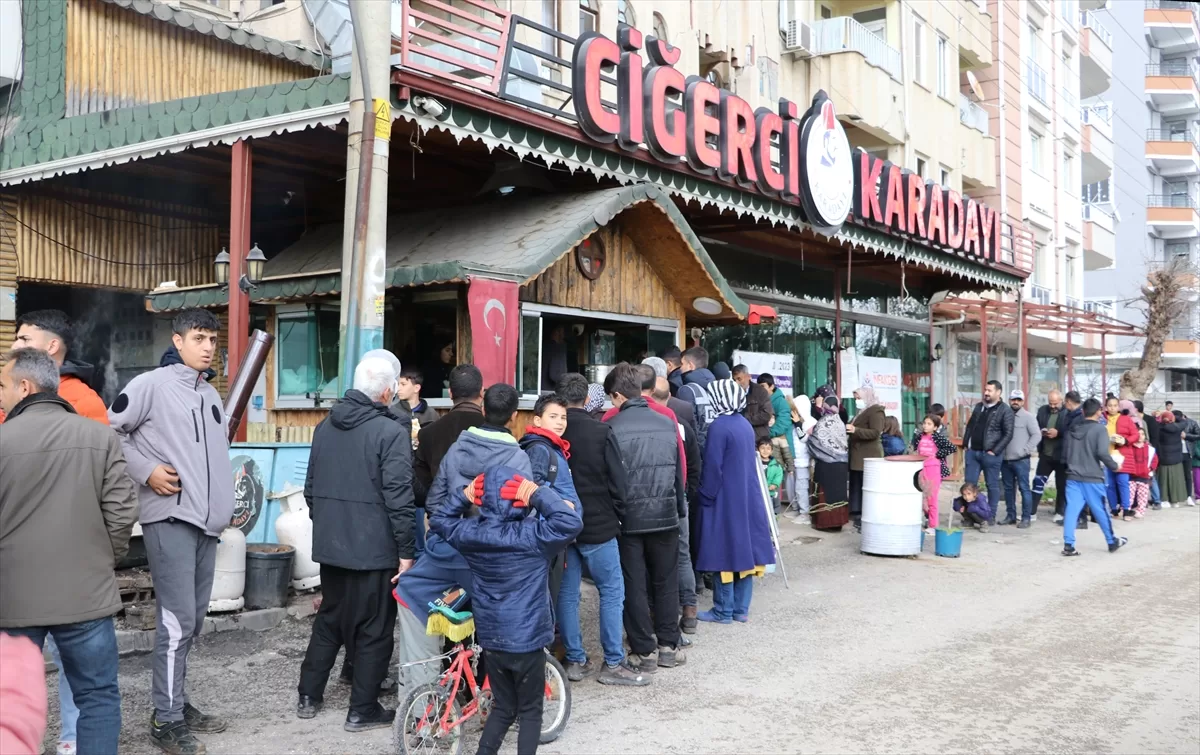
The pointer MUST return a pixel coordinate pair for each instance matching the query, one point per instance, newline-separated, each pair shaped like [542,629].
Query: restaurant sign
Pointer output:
[903,202]
[801,158]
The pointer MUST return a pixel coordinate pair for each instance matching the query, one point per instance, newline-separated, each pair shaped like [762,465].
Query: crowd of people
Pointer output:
[660,484]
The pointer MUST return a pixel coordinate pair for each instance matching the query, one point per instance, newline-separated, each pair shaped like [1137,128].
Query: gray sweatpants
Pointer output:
[182,559]
[687,577]
[415,645]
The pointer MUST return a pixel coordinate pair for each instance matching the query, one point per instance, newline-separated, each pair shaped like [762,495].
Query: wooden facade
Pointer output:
[69,239]
[8,264]
[117,57]
[629,284]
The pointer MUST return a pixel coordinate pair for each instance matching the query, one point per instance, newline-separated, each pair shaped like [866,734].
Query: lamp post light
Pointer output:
[255,264]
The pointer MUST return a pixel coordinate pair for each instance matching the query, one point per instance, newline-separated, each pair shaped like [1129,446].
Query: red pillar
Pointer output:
[1103,364]
[1070,362]
[239,247]
[1023,349]
[983,345]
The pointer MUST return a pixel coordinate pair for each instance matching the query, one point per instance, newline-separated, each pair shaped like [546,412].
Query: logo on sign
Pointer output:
[248,490]
[829,174]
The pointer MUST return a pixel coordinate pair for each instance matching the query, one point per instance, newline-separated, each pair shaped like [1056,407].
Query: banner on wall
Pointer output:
[495,320]
[778,366]
[884,376]
[848,359]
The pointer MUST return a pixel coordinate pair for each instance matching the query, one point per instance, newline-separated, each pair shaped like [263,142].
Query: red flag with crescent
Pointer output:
[495,327]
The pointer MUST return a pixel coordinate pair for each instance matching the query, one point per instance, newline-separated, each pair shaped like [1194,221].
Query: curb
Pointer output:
[136,642]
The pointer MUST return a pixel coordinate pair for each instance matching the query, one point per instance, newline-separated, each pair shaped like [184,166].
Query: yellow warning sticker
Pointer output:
[383,119]
[379,307]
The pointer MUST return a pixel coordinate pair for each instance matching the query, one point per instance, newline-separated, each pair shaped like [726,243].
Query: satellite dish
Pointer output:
[974,84]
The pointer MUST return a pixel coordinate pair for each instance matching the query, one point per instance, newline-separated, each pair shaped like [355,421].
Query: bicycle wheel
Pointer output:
[557,708]
[416,730]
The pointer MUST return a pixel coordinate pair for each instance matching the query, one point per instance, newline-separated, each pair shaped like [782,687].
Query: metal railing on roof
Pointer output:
[844,33]
[1035,80]
[1091,21]
[1170,200]
[971,114]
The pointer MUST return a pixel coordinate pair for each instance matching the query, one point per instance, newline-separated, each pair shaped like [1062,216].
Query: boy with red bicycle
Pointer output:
[508,552]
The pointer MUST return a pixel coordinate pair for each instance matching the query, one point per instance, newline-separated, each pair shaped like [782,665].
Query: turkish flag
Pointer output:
[495,328]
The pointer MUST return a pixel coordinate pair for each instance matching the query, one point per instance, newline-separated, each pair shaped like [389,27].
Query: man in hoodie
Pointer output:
[1087,454]
[696,377]
[51,331]
[172,429]
[1072,403]
[672,356]
[359,490]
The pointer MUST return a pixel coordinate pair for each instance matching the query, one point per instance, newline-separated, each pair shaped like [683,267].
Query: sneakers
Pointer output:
[1116,544]
[381,719]
[1006,522]
[1156,507]
[307,707]
[65,748]
[1069,550]
[643,664]
[197,721]
[577,672]
[687,622]
[742,618]
[1166,504]
[1033,517]
[174,738]
[711,617]
[669,657]
[1191,501]
[1023,524]
[1139,515]
[622,675]
[1058,518]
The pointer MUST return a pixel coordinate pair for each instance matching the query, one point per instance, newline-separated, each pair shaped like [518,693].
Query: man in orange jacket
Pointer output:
[50,330]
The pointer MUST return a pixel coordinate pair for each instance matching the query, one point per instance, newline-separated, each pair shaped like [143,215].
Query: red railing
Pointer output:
[464,43]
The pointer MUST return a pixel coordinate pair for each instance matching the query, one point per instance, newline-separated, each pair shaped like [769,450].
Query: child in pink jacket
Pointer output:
[931,475]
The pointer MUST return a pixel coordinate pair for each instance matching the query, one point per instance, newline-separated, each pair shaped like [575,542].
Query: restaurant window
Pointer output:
[808,339]
[912,349]
[306,355]
[589,16]
[660,28]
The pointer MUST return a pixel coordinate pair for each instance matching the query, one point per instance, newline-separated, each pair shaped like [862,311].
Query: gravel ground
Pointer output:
[1010,648]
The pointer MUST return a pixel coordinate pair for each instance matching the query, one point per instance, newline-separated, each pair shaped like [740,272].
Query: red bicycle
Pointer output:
[432,717]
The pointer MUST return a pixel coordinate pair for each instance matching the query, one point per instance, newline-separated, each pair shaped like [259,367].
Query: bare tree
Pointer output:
[1163,301]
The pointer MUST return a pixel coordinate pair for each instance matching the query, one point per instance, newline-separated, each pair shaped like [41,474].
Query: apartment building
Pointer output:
[1155,116]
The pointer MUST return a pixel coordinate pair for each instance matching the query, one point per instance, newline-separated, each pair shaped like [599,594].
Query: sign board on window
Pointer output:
[779,366]
[884,376]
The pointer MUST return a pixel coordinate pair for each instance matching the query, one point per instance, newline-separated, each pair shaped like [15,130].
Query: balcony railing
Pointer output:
[1092,212]
[1097,192]
[1099,30]
[1040,294]
[1095,307]
[1184,333]
[1162,135]
[844,33]
[1173,5]
[1072,302]
[1173,68]
[1094,114]
[971,114]
[1035,80]
[1170,200]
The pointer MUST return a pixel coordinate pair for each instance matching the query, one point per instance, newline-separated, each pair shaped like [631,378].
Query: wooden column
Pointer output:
[239,247]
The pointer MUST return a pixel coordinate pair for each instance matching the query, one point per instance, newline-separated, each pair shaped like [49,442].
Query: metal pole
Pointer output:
[837,334]
[241,170]
[983,345]
[363,241]
[1104,363]
[1070,362]
[1022,345]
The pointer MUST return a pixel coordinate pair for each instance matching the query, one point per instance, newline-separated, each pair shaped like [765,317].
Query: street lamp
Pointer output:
[255,264]
[937,353]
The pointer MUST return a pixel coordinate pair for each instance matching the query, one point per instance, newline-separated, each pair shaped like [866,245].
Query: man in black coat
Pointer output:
[655,504]
[435,439]
[986,437]
[360,496]
[1073,406]
[758,411]
[1049,458]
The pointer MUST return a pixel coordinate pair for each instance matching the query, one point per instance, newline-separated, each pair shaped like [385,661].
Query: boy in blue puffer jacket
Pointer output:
[508,553]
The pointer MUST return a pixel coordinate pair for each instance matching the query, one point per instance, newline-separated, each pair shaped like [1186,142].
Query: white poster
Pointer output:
[849,377]
[884,376]
[779,366]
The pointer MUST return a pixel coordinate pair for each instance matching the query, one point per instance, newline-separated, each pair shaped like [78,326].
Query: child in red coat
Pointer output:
[1141,461]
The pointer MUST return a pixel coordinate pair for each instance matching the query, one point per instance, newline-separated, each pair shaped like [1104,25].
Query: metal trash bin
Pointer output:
[892,514]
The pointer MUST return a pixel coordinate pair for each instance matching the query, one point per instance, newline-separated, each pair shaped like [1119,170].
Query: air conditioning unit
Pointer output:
[798,39]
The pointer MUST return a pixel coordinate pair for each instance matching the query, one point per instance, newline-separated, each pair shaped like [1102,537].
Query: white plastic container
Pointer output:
[294,527]
[229,578]
[892,514]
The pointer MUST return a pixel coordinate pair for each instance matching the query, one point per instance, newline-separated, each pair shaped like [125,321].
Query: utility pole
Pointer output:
[363,242]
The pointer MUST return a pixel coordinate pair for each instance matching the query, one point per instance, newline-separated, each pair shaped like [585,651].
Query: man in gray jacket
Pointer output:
[172,429]
[1086,456]
[66,510]
[1015,471]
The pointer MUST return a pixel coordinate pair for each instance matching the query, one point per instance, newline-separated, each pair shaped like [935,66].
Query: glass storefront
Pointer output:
[809,339]
[912,349]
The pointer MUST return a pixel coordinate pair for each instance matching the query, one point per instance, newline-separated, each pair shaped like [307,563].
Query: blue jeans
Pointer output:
[89,655]
[1016,476]
[604,564]
[1091,495]
[1116,490]
[732,598]
[1155,494]
[990,464]
[68,713]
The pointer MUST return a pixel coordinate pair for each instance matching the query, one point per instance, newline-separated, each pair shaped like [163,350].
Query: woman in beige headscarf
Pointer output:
[865,431]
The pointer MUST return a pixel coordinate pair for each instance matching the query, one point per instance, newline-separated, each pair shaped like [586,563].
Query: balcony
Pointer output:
[1173,153]
[1172,216]
[1096,144]
[974,35]
[1172,26]
[1172,87]
[1036,83]
[1040,294]
[856,62]
[1099,238]
[978,165]
[1095,55]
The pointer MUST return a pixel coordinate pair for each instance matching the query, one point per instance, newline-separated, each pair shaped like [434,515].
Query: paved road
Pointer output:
[1010,648]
